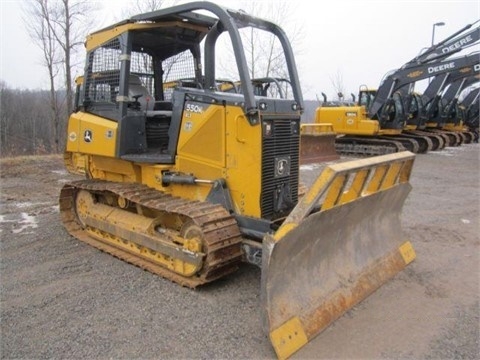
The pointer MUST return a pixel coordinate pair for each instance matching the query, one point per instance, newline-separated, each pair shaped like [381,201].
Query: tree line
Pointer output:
[26,126]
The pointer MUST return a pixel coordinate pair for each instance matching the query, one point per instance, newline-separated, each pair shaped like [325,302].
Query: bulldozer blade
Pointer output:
[323,261]
[317,143]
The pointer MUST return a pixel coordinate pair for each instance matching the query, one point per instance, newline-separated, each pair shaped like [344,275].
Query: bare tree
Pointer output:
[25,122]
[4,123]
[269,60]
[70,24]
[338,85]
[41,31]
[58,27]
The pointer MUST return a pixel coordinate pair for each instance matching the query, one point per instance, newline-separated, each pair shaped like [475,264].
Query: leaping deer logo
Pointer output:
[88,136]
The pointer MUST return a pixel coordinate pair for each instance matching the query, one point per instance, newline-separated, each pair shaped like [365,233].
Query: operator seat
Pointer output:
[135,88]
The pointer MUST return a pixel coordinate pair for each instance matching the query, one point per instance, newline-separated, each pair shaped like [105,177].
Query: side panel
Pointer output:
[90,134]
[112,169]
[347,120]
[217,141]
[201,147]
[244,162]
[202,134]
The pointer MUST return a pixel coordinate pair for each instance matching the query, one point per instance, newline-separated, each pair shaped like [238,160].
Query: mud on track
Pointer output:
[63,299]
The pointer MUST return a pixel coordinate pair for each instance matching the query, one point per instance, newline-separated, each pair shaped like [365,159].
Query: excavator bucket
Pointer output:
[341,242]
[317,143]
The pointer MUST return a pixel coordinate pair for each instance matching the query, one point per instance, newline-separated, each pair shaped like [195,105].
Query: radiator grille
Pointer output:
[280,148]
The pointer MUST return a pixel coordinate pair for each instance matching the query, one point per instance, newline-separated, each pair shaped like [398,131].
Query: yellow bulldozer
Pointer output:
[190,181]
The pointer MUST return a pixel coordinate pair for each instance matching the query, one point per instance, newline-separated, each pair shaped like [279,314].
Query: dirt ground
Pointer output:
[61,299]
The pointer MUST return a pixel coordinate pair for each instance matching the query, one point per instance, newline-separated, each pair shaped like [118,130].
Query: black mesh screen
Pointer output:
[103,80]
[280,167]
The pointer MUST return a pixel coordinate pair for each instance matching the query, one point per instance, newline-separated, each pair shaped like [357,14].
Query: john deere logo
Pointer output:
[415,74]
[282,166]
[88,136]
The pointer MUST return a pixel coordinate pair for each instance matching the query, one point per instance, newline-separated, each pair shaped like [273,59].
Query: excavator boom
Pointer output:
[461,39]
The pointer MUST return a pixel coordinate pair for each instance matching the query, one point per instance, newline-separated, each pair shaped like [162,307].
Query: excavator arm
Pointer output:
[430,97]
[469,107]
[471,97]
[458,85]
[453,44]
[427,64]
[449,114]
[439,83]
[412,74]
[446,93]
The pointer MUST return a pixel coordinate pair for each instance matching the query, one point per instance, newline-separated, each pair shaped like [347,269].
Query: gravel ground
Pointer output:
[61,299]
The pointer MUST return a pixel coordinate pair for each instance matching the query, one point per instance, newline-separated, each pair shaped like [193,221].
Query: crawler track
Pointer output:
[367,146]
[179,221]
[452,138]
[438,142]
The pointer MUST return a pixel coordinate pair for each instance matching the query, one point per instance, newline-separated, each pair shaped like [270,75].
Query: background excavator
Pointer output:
[447,115]
[432,111]
[377,124]
[189,182]
[469,108]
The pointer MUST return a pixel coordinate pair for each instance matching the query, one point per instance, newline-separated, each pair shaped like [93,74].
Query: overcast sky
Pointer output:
[359,41]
